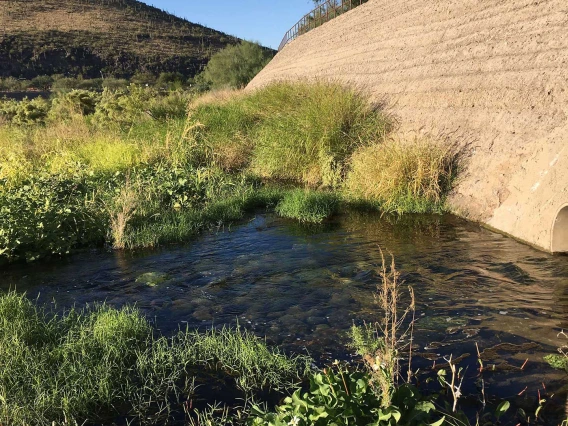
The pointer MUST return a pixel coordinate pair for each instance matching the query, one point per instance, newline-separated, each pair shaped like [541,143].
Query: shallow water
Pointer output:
[303,287]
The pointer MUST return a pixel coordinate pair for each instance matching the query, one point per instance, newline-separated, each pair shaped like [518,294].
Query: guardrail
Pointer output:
[325,12]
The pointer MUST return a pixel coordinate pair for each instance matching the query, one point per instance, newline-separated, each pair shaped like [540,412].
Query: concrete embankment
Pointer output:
[491,75]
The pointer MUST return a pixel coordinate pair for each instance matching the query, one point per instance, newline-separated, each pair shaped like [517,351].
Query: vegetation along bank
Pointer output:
[135,167]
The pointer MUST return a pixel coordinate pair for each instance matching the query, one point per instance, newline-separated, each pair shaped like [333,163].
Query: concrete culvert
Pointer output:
[560,232]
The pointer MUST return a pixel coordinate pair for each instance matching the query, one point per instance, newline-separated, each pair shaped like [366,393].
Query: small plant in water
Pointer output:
[380,344]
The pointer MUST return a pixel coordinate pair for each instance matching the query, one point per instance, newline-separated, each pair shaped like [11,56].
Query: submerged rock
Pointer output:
[152,279]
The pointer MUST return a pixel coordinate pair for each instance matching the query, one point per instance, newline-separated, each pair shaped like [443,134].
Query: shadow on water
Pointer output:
[303,287]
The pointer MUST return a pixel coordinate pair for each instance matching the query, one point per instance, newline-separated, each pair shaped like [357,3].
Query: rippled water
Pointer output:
[303,287]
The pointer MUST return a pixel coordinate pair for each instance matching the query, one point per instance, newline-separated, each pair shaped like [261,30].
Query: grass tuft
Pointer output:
[403,176]
[308,206]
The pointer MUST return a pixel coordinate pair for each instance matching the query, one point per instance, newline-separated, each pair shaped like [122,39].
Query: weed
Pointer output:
[380,344]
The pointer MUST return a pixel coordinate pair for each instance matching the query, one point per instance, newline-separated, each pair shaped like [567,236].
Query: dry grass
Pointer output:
[219,97]
[121,212]
[403,174]
[381,344]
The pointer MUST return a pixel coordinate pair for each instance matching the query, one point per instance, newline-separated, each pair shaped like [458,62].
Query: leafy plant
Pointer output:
[338,396]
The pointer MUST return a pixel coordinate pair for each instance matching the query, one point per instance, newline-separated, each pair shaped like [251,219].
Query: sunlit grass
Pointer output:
[93,365]
[403,175]
[308,206]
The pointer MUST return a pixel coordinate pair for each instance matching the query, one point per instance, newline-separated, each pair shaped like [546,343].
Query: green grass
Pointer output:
[300,132]
[308,206]
[100,363]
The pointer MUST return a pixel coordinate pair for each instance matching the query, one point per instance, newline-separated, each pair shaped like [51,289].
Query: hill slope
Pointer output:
[117,37]
[492,73]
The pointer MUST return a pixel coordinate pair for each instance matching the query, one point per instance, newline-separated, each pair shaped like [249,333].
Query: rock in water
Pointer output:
[152,279]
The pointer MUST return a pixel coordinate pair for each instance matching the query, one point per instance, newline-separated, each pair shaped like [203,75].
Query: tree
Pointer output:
[235,66]
[42,82]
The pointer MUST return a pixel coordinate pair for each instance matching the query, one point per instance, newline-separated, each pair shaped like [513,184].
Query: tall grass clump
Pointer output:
[402,175]
[100,364]
[246,358]
[308,206]
[291,131]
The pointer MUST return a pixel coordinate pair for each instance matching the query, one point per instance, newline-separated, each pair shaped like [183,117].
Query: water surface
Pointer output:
[303,287]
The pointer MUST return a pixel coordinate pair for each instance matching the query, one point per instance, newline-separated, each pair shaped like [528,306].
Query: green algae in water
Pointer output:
[559,362]
[152,279]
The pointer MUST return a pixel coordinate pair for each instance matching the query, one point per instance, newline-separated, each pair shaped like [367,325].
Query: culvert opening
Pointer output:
[560,232]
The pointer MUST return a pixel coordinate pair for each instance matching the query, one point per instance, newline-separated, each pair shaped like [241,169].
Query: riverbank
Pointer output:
[131,168]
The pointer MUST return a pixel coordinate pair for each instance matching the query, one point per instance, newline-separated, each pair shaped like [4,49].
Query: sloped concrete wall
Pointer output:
[492,74]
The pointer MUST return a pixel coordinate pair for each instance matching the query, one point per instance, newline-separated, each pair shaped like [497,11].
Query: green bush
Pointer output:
[64,84]
[42,82]
[308,206]
[123,107]
[172,106]
[68,104]
[235,66]
[48,215]
[24,112]
[112,83]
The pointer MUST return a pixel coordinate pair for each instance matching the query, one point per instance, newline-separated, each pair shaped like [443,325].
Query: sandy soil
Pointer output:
[489,74]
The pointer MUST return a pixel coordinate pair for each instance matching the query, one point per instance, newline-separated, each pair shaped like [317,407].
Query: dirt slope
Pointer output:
[489,73]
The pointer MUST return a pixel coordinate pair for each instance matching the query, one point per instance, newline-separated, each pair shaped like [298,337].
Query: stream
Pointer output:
[302,287]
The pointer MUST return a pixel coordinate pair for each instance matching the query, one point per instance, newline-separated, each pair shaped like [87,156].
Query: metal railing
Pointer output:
[326,11]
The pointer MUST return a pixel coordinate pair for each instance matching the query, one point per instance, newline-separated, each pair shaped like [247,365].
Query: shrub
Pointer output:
[308,206]
[170,80]
[75,102]
[46,216]
[112,83]
[65,84]
[403,175]
[172,106]
[235,66]
[24,112]
[42,82]
[123,107]
[143,78]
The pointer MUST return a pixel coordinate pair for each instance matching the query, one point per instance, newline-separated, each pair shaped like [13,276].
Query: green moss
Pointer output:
[559,362]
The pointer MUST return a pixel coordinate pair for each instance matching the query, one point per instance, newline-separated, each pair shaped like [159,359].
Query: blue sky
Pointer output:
[264,21]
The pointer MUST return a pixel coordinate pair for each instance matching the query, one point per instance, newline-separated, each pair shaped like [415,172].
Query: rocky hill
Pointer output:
[87,37]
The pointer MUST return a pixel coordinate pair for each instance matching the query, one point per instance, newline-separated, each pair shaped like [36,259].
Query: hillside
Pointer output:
[87,37]
[489,75]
